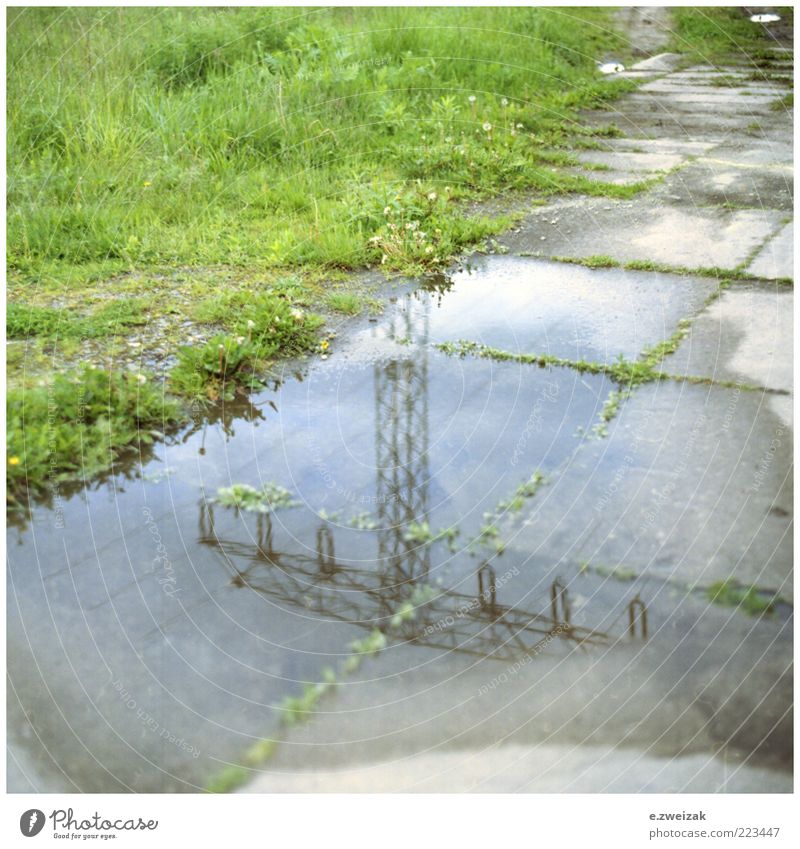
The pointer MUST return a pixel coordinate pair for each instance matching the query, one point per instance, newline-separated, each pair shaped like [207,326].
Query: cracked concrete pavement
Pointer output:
[688,487]
[701,491]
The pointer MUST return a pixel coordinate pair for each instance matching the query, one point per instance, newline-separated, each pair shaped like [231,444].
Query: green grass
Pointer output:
[24,320]
[78,425]
[628,373]
[785,102]
[609,411]
[345,302]
[596,261]
[267,499]
[228,779]
[649,265]
[720,34]
[618,573]
[136,138]
[262,326]
[750,599]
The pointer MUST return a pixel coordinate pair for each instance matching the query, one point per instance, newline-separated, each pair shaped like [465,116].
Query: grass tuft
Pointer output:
[345,302]
[79,424]
[750,599]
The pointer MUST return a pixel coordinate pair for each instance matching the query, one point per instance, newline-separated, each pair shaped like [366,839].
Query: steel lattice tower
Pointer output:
[401,447]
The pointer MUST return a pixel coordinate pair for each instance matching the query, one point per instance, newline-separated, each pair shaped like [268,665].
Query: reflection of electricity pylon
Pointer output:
[401,448]
[385,597]
[476,625]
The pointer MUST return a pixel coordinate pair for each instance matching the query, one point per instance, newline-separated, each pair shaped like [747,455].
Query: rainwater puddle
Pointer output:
[167,626]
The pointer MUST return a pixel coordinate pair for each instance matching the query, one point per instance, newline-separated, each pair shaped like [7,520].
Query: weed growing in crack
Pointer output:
[750,599]
[269,498]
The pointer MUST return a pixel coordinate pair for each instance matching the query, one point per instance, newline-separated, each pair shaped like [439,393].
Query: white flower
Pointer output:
[386,210]
[432,196]
[520,127]
[487,127]
[297,314]
[141,378]
[504,102]
[239,340]
[472,98]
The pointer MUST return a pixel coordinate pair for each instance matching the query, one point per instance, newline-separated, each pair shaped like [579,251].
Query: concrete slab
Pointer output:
[613,176]
[563,309]
[692,486]
[632,161]
[774,152]
[725,98]
[710,181]
[687,125]
[646,230]
[664,146]
[746,108]
[744,336]
[532,769]
[776,258]
[663,62]
[713,82]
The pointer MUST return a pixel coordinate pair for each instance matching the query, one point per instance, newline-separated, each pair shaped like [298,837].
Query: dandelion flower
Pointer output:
[239,340]
[432,196]
[13,461]
[386,210]
[487,127]
[141,378]
[250,324]
[297,314]
[147,184]
[472,98]
[504,102]
[324,345]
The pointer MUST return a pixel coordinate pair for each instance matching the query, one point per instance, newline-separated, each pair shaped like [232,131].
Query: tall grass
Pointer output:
[275,136]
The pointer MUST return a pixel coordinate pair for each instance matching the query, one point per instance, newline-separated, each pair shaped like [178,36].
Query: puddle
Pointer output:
[152,631]
[565,310]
